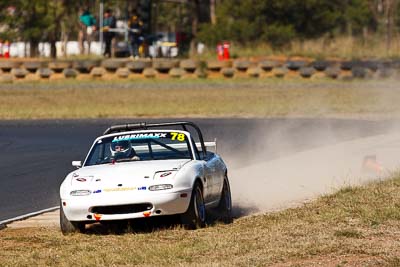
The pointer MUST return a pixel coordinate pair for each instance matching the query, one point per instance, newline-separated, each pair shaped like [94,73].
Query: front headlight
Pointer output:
[80,193]
[160,187]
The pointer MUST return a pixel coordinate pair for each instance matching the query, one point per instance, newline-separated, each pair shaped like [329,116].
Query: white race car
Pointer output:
[144,170]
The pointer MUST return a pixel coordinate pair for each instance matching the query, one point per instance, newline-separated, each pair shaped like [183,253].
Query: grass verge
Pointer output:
[357,226]
[198,98]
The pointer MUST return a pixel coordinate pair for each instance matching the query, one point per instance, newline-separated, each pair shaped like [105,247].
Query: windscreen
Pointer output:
[139,147]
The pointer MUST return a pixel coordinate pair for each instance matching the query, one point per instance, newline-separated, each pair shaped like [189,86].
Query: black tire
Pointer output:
[228,72]
[68,227]
[224,208]
[295,65]
[306,72]
[32,66]
[333,72]
[195,216]
[59,66]
[111,65]
[321,65]
[359,72]
[268,65]
[346,65]
[241,65]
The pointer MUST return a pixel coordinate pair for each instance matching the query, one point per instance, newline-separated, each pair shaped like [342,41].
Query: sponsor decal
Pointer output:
[139,136]
[97,216]
[81,179]
[146,214]
[118,189]
[98,180]
[97,191]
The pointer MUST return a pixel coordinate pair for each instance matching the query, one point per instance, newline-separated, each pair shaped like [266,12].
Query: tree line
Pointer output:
[247,22]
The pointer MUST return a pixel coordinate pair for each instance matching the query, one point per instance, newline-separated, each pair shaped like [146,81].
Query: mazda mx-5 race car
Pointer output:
[145,170]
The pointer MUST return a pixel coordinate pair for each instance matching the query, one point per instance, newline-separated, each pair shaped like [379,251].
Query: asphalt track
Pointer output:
[36,155]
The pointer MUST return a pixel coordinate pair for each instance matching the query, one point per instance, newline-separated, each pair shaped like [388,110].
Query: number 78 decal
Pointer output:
[177,136]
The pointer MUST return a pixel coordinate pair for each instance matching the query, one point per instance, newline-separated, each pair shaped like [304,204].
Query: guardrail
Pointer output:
[15,70]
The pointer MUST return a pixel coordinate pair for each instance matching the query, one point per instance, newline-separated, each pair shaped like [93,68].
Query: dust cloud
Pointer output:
[282,172]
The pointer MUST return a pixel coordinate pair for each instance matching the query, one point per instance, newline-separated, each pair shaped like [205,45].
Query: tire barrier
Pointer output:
[346,65]
[254,72]
[332,72]
[33,66]
[44,73]
[201,73]
[371,65]
[307,72]
[85,66]
[385,72]
[228,72]
[321,65]
[19,73]
[97,72]
[217,66]
[59,66]
[359,72]
[280,72]
[13,70]
[138,66]
[268,65]
[176,72]
[70,73]
[241,65]
[7,66]
[111,65]
[296,65]
[189,65]
[164,66]
[149,73]
[123,73]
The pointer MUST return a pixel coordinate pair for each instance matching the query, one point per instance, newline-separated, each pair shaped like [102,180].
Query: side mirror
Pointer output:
[77,163]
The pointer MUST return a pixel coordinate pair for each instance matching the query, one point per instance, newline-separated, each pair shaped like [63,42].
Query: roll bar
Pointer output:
[146,126]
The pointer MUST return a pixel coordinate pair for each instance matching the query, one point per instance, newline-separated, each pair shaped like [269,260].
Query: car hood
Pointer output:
[123,174]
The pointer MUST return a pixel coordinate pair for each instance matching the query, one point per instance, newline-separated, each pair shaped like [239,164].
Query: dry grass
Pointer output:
[344,47]
[198,98]
[357,226]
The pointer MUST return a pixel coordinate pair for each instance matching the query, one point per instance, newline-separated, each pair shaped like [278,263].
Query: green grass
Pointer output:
[198,98]
[357,226]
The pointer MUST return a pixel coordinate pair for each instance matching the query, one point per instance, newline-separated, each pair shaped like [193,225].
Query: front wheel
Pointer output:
[195,216]
[68,227]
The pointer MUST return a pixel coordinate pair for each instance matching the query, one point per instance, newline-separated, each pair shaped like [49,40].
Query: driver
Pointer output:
[123,150]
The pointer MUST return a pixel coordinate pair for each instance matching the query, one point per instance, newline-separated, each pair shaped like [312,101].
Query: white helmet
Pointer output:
[121,149]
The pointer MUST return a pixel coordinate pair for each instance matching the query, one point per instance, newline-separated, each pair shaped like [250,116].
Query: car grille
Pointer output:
[121,209]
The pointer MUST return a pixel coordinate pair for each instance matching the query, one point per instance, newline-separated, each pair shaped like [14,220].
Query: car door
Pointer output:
[215,175]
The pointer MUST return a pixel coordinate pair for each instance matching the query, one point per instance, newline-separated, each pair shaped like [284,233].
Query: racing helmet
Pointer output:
[121,149]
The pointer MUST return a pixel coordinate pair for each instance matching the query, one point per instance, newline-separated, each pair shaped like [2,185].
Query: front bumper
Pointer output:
[162,203]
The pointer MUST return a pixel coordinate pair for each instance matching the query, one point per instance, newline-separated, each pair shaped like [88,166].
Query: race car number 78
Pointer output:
[178,136]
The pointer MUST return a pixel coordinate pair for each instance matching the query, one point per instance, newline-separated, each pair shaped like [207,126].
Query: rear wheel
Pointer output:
[68,227]
[224,208]
[195,216]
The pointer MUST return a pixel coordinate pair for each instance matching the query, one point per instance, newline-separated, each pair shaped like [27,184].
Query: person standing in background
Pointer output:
[135,36]
[109,23]
[87,25]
